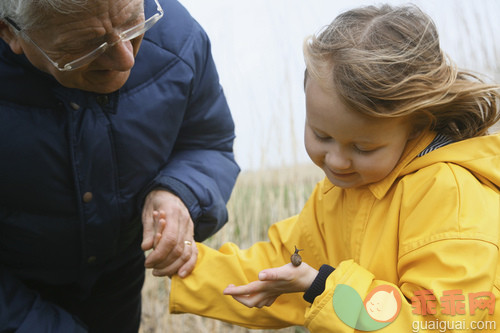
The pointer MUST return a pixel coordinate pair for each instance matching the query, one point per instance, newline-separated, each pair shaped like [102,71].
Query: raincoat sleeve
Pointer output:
[447,262]
[202,169]
[201,291]
[23,311]
[448,255]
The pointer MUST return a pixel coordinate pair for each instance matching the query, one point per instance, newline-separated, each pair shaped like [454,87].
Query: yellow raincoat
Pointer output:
[431,225]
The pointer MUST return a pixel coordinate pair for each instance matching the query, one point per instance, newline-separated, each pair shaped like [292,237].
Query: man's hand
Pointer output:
[168,230]
[272,283]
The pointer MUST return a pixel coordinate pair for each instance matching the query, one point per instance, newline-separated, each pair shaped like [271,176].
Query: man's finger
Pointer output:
[171,269]
[148,233]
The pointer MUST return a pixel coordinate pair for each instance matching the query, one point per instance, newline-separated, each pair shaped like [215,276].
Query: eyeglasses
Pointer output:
[124,36]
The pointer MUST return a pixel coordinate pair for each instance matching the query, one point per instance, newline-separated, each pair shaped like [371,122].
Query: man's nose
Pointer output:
[119,57]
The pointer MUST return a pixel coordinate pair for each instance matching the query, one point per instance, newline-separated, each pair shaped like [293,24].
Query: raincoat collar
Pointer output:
[380,188]
[479,155]
[412,149]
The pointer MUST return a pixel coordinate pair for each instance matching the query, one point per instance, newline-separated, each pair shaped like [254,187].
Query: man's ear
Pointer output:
[11,38]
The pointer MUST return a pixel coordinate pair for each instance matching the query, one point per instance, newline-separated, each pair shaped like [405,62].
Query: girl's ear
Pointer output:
[11,38]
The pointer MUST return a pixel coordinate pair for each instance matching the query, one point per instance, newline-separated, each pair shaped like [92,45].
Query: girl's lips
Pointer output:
[343,174]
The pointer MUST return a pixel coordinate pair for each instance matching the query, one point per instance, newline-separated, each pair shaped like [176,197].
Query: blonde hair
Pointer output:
[387,62]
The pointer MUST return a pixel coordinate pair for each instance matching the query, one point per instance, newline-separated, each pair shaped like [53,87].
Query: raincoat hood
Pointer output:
[478,155]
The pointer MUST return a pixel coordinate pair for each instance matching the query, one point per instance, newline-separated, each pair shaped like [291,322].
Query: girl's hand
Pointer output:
[272,283]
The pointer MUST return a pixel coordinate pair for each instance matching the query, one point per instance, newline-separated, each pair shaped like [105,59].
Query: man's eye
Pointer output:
[83,46]
[76,49]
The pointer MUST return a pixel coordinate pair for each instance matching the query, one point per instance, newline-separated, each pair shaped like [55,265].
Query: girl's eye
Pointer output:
[321,137]
[363,150]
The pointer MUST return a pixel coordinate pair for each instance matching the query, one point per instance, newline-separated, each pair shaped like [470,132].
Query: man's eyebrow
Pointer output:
[132,18]
[139,10]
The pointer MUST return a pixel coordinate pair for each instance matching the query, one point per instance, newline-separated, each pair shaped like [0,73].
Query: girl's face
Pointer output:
[352,149]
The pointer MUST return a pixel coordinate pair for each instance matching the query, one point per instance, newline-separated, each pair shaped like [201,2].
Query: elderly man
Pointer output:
[111,118]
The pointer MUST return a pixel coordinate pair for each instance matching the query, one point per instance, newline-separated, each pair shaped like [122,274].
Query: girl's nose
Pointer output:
[338,160]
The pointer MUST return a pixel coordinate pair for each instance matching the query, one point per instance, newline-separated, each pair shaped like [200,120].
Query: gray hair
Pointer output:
[28,14]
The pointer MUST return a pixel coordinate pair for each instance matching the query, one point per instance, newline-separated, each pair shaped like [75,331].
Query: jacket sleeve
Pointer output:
[442,267]
[201,291]
[202,169]
[23,311]
[448,255]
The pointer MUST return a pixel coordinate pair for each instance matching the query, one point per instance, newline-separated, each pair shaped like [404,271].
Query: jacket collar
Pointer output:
[412,149]
[84,99]
[480,155]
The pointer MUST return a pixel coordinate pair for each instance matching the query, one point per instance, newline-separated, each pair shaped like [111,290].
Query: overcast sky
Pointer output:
[257,47]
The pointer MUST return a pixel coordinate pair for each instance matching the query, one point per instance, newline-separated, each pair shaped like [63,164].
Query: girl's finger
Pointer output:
[190,264]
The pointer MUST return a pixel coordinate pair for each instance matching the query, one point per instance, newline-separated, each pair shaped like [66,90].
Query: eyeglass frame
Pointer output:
[86,59]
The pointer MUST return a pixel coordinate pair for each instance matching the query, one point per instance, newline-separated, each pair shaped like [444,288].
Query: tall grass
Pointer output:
[259,199]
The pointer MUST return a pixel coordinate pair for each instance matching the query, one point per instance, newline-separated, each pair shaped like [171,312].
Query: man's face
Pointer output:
[68,37]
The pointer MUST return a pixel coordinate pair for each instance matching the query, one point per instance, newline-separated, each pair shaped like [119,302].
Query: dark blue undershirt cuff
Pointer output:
[318,285]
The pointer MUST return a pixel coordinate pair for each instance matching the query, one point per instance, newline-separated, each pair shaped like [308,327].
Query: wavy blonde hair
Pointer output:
[387,62]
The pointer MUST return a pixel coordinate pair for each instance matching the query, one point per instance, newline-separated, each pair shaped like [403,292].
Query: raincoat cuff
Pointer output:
[318,285]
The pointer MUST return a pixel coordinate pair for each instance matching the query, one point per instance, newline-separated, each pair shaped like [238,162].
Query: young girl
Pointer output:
[403,233]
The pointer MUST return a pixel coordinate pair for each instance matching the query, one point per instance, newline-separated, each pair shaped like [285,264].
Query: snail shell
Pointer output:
[296,259]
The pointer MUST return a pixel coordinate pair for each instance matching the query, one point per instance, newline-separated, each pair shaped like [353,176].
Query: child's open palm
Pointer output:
[272,283]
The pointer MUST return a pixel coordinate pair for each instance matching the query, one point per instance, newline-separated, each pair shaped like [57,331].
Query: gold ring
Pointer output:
[188,243]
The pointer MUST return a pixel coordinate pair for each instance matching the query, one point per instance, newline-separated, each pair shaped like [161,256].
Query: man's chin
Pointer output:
[101,82]
[106,82]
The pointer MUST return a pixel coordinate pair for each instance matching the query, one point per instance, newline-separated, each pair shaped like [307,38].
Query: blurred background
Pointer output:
[257,47]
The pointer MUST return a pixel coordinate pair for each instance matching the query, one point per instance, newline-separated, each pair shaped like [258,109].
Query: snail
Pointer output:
[296,259]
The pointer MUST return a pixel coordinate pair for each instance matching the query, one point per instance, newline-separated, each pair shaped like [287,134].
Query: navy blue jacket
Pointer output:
[75,166]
